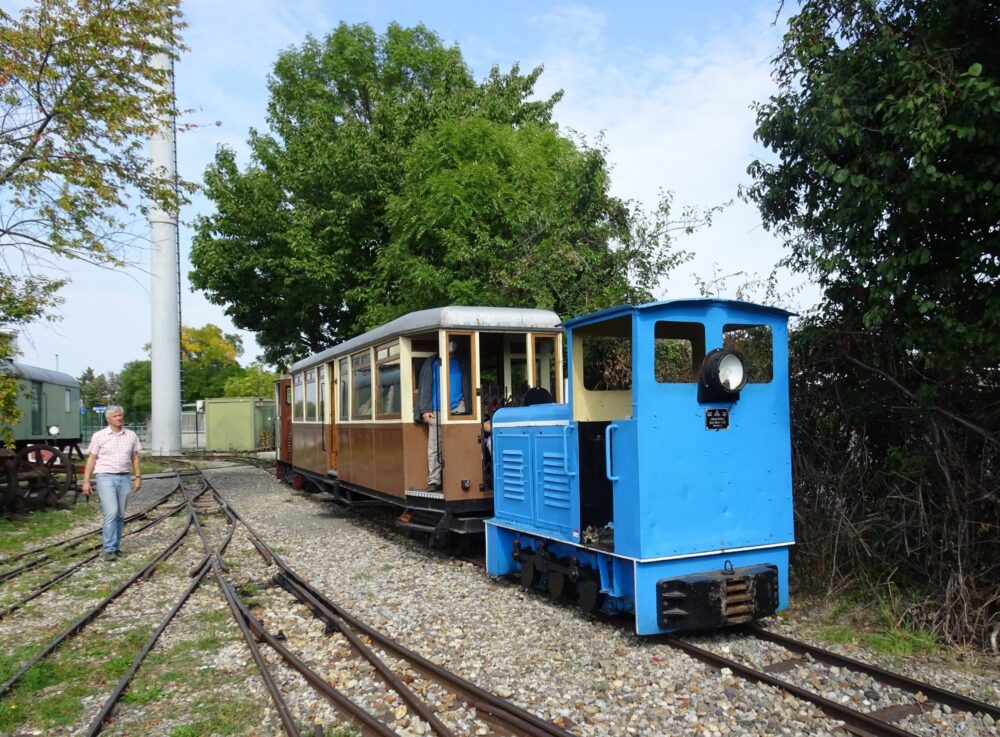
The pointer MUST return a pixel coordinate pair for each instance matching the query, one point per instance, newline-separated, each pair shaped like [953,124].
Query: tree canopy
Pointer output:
[391,181]
[78,100]
[886,127]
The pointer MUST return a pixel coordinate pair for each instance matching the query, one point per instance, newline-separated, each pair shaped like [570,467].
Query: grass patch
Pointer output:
[143,695]
[39,526]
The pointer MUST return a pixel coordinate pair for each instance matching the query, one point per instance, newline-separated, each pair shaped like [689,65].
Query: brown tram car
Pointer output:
[346,415]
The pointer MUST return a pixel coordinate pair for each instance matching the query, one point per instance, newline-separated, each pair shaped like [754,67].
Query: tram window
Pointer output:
[756,345]
[288,395]
[343,388]
[66,396]
[310,414]
[679,352]
[361,385]
[321,396]
[387,365]
[299,398]
[545,364]
[519,375]
[388,390]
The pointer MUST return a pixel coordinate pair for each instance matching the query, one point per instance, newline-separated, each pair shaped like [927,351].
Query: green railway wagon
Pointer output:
[39,469]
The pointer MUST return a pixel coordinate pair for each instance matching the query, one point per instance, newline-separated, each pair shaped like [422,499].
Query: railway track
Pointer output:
[190,544]
[194,527]
[910,703]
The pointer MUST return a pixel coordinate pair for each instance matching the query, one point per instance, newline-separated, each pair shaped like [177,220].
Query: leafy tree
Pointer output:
[494,214]
[10,413]
[78,99]
[135,390]
[254,381]
[303,243]
[208,361]
[887,125]
[887,129]
[98,389]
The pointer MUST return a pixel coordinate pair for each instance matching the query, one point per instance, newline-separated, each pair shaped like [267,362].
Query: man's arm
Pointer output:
[137,471]
[87,471]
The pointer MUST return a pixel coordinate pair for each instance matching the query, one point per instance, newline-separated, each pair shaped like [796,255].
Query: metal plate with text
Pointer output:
[716,419]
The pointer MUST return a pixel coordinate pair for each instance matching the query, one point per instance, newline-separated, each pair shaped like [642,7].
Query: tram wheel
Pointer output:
[557,585]
[589,594]
[528,574]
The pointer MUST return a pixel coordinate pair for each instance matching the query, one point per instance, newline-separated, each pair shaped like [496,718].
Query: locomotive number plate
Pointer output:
[716,419]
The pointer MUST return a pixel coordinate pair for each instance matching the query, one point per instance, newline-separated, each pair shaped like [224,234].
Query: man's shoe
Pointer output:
[120,554]
[109,557]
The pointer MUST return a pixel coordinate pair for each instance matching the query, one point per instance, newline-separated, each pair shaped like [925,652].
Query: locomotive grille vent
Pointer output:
[513,474]
[738,599]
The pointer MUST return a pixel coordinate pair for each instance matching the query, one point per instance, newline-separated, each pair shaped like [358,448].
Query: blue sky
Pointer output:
[669,85]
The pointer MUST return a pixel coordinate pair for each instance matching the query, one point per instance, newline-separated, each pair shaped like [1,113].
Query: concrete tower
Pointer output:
[165,430]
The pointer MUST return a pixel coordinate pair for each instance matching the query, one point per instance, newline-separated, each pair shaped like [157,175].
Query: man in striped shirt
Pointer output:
[112,452]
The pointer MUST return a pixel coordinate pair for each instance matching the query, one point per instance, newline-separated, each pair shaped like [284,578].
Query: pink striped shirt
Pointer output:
[114,451]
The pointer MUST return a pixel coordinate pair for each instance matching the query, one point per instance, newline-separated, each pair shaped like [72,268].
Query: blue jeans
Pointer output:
[113,490]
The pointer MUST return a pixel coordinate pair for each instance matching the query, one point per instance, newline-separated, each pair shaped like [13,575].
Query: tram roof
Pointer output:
[34,373]
[454,317]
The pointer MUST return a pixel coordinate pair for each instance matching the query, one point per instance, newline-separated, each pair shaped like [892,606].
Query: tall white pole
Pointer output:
[165,430]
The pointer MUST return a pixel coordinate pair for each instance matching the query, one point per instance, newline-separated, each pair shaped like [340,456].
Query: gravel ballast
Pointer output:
[587,675]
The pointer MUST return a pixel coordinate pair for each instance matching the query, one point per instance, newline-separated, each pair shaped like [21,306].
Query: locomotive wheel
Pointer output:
[44,474]
[557,585]
[528,574]
[589,593]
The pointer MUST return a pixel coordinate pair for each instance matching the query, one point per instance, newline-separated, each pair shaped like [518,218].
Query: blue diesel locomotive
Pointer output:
[662,489]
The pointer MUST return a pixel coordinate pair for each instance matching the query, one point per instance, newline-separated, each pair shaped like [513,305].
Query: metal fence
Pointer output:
[192,430]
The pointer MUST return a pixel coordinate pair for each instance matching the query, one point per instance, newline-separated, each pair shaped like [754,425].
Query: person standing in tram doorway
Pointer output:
[428,407]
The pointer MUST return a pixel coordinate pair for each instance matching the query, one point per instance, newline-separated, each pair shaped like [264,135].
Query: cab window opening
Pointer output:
[755,344]
[607,355]
[679,352]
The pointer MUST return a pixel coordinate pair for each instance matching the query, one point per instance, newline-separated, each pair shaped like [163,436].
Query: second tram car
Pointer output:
[347,414]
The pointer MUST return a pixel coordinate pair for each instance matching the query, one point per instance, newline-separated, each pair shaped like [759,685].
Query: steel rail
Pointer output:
[855,721]
[46,585]
[287,722]
[397,684]
[74,541]
[369,723]
[82,621]
[505,712]
[934,693]
[97,724]
[500,712]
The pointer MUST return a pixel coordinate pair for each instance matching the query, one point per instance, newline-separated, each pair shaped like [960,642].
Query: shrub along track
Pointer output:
[111,657]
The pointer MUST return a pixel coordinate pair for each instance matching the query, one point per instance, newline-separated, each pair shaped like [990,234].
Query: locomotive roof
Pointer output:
[454,317]
[33,373]
[703,303]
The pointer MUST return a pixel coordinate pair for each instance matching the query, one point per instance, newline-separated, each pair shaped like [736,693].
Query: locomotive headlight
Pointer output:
[732,377]
[54,430]
[723,375]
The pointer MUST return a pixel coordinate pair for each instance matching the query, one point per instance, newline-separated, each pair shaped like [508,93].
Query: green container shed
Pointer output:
[239,424]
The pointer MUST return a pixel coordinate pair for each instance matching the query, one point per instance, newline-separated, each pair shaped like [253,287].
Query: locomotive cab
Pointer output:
[665,483]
